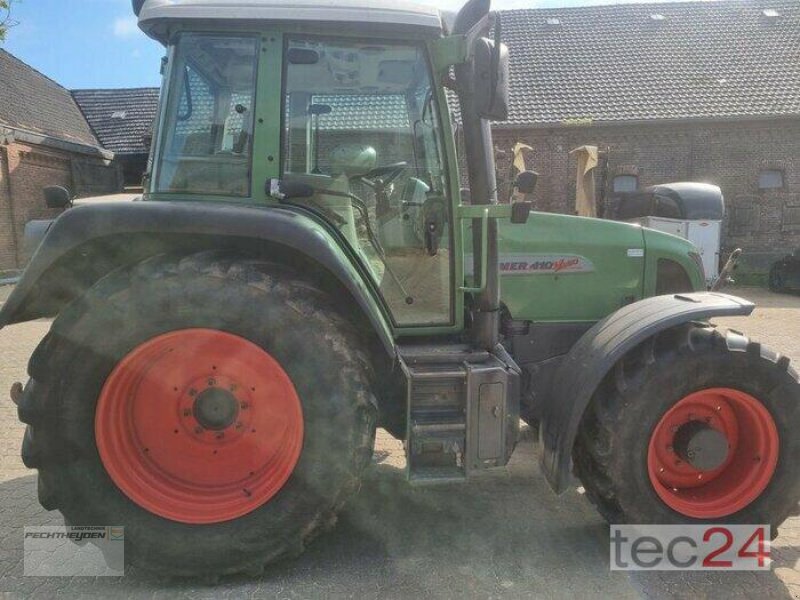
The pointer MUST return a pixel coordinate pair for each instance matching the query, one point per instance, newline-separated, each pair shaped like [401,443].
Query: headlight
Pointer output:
[698,261]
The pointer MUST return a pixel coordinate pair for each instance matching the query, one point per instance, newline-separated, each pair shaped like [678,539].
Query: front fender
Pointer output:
[87,242]
[593,356]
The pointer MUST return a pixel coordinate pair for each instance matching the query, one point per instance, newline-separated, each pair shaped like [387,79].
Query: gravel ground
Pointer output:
[502,535]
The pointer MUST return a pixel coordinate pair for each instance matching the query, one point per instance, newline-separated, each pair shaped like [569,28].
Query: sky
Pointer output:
[97,44]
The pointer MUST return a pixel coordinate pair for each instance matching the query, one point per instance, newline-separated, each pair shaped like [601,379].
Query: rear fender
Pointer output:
[600,348]
[88,242]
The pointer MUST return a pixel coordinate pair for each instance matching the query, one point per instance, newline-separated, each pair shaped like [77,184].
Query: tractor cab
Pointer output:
[344,121]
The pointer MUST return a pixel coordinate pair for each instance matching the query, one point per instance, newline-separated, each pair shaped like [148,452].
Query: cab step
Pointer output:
[463,411]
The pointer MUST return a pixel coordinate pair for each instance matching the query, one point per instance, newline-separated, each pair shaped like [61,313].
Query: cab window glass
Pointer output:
[206,147]
[360,127]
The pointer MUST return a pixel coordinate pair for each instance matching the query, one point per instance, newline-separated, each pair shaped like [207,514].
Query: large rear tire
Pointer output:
[217,408]
[694,425]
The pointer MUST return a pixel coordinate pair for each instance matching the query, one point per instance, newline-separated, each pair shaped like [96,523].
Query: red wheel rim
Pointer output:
[199,426]
[752,454]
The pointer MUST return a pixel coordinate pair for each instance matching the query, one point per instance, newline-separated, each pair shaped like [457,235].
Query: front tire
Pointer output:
[180,347]
[634,453]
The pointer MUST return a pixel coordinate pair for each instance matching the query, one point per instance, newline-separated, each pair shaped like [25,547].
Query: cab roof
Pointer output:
[155,15]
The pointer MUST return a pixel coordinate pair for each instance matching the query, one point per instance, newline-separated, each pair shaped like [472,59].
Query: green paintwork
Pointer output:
[664,245]
[622,259]
[267,138]
[448,51]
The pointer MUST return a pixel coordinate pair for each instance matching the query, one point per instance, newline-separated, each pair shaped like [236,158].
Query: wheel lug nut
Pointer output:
[212,382]
[244,405]
[186,412]
[198,429]
[193,392]
[234,387]
[238,425]
[220,435]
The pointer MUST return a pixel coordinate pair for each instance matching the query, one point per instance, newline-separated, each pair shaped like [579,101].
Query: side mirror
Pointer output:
[491,80]
[526,182]
[56,196]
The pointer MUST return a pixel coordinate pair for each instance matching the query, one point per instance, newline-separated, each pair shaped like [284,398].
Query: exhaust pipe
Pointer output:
[473,21]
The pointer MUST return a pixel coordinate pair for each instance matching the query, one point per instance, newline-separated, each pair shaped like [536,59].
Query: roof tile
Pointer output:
[121,118]
[35,103]
[616,63]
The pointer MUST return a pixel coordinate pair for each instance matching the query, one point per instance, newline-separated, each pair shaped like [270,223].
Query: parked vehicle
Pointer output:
[693,211]
[302,269]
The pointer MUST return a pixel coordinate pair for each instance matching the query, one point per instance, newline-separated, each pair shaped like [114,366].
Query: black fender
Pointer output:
[598,350]
[87,242]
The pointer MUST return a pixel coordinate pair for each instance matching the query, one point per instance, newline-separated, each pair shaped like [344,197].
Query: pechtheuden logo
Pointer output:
[716,547]
[66,551]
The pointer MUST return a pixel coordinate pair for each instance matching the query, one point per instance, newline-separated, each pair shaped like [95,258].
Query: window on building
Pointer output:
[791,219]
[770,179]
[625,183]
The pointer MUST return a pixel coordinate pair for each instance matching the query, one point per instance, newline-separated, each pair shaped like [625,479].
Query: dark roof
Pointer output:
[686,60]
[121,118]
[376,112]
[35,103]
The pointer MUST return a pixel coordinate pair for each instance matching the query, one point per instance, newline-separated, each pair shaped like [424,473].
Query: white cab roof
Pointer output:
[155,13]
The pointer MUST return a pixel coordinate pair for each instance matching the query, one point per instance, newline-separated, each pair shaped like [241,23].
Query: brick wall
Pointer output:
[25,170]
[765,223]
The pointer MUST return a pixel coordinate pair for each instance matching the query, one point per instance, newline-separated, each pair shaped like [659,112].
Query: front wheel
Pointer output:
[217,408]
[694,426]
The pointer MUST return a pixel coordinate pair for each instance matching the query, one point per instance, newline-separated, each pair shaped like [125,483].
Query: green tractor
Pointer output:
[303,268]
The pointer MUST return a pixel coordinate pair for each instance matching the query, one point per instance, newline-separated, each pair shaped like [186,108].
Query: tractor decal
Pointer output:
[532,264]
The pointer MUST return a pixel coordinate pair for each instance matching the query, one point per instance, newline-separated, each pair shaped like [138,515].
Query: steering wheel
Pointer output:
[386,174]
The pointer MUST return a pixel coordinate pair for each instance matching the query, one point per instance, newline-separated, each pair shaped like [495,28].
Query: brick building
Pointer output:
[122,120]
[44,140]
[701,91]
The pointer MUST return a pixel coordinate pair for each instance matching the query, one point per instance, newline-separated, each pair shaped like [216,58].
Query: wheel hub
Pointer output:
[700,445]
[215,408]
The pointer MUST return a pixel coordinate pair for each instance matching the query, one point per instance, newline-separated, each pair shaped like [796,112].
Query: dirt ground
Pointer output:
[503,535]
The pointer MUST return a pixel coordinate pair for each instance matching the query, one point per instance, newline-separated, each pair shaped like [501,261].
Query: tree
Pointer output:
[6,22]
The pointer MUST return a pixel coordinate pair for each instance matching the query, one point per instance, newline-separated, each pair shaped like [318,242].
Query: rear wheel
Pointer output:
[219,409]
[694,425]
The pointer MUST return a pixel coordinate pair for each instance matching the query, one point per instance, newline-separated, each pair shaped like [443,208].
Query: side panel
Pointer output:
[595,354]
[87,242]
[659,245]
[565,268]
